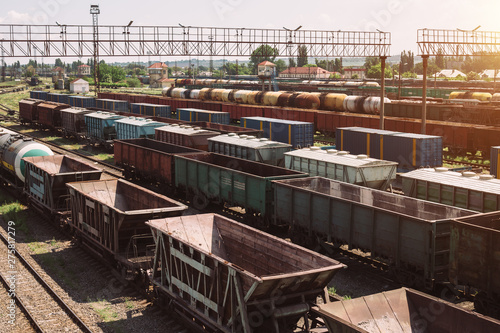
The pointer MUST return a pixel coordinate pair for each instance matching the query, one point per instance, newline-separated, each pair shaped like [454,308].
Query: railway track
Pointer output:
[44,308]
[475,166]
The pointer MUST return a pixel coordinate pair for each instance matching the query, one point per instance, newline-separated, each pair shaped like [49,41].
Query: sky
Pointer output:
[400,17]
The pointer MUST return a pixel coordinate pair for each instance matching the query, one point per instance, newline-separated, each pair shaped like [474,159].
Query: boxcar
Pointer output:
[250,148]
[58,98]
[154,110]
[339,165]
[242,280]
[184,135]
[468,190]
[297,133]
[73,122]
[49,115]
[81,101]
[214,177]
[112,105]
[148,159]
[46,178]
[109,215]
[411,234]
[135,128]
[226,129]
[475,259]
[37,94]
[495,162]
[100,126]
[401,311]
[203,115]
[28,110]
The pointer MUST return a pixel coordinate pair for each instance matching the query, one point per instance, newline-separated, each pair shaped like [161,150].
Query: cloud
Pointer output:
[14,17]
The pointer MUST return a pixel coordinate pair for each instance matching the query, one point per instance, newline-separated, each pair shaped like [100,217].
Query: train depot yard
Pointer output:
[260,201]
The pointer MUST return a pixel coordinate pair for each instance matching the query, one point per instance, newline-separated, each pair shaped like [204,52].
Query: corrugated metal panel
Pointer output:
[112,105]
[148,109]
[58,98]
[43,95]
[82,101]
[495,162]
[100,125]
[73,120]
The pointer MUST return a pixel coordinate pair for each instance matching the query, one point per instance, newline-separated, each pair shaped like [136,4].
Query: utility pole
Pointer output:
[94,10]
[3,63]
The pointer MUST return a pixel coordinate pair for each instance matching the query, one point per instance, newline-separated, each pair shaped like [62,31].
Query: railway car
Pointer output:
[46,178]
[400,311]
[28,111]
[339,165]
[226,129]
[58,98]
[82,101]
[474,260]
[250,148]
[38,94]
[100,127]
[203,115]
[184,135]
[495,162]
[154,110]
[13,148]
[241,280]
[73,122]
[211,177]
[108,217]
[467,190]
[112,105]
[148,159]
[135,128]
[49,114]
[412,236]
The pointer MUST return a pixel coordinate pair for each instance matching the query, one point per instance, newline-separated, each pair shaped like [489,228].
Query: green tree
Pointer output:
[407,61]
[431,68]
[374,72]
[371,61]
[355,77]
[472,76]
[30,71]
[337,76]
[280,65]
[409,75]
[310,65]
[59,63]
[260,54]
[133,82]
[302,56]
[291,62]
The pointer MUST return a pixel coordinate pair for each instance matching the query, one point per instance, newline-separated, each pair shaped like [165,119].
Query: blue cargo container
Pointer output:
[297,133]
[495,162]
[36,94]
[203,115]
[411,151]
[58,98]
[112,105]
[81,101]
[136,128]
[100,126]
[362,140]
[155,110]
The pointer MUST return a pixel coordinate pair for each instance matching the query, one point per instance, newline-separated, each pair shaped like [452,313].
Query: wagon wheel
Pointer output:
[200,201]
[481,303]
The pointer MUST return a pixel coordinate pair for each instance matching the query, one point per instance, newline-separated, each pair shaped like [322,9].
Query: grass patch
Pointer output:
[108,316]
[11,100]
[108,158]
[128,303]
[14,211]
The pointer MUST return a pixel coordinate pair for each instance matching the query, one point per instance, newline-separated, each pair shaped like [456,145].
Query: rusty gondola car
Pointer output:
[402,311]
[233,278]
[108,218]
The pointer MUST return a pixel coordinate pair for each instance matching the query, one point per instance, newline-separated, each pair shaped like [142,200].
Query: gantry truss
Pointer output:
[433,42]
[77,41]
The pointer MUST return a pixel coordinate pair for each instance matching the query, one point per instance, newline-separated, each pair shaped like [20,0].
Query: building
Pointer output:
[157,71]
[79,86]
[165,83]
[359,71]
[266,69]
[310,73]
[57,74]
[490,74]
[84,70]
[450,73]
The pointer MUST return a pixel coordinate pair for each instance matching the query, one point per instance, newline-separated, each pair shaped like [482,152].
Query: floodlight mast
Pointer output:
[95,11]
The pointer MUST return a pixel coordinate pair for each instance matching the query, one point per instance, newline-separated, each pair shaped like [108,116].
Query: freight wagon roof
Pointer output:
[332,156]
[111,100]
[273,120]
[139,122]
[368,130]
[103,115]
[186,130]
[52,105]
[251,142]
[201,111]
[82,97]
[253,252]
[455,179]
[30,101]
[397,311]
[126,197]
[56,164]
[76,110]
[416,136]
[149,104]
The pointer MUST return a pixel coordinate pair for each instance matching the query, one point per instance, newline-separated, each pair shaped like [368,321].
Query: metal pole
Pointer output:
[382,92]
[425,58]
[399,85]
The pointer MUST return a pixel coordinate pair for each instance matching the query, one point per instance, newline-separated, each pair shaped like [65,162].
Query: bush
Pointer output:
[133,82]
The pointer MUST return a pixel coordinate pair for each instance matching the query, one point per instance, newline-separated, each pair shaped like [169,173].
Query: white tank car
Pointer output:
[14,147]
